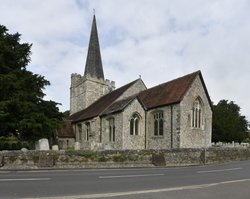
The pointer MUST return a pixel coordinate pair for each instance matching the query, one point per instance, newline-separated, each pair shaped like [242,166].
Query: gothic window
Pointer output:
[197,114]
[87,133]
[158,124]
[134,124]
[111,123]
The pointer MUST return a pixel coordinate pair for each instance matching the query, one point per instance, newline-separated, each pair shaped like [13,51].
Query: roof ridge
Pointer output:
[169,92]
[176,79]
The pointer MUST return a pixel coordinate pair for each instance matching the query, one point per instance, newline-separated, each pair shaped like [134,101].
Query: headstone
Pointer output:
[77,145]
[24,149]
[55,148]
[43,144]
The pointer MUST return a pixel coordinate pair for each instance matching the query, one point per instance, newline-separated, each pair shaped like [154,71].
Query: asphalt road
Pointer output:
[217,181]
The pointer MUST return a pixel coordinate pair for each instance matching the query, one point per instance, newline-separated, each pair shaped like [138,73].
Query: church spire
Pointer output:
[93,65]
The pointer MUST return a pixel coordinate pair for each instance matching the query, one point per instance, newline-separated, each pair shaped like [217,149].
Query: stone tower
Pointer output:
[91,86]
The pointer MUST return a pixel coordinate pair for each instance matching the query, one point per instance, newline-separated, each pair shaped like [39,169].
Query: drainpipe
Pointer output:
[171,118]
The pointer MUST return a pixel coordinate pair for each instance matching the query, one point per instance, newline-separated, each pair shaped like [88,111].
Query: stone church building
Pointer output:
[175,114]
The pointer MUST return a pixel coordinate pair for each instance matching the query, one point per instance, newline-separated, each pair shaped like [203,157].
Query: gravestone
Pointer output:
[77,145]
[55,148]
[42,145]
[24,149]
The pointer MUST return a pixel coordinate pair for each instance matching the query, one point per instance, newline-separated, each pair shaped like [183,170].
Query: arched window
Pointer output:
[197,114]
[158,124]
[87,132]
[111,123]
[134,124]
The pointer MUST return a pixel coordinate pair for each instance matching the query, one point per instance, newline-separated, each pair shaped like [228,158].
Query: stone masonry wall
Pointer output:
[171,126]
[191,137]
[119,159]
[85,90]
[94,137]
[133,141]
[65,143]
[107,144]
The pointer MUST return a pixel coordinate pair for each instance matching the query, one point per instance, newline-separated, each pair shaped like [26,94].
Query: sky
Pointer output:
[158,40]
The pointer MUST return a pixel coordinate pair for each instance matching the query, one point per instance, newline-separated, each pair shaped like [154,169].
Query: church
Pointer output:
[174,114]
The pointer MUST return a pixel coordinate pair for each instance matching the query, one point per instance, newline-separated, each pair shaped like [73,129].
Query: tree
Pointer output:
[22,107]
[228,124]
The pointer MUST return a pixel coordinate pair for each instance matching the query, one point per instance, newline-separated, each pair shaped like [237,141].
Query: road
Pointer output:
[216,181]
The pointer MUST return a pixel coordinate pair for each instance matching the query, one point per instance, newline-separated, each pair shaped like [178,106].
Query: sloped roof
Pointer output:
[162,95]
[100,105]
[119,105]
[170,92]
[66,131]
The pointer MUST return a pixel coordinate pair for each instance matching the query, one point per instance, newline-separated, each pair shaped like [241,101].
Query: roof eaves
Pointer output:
[163,105]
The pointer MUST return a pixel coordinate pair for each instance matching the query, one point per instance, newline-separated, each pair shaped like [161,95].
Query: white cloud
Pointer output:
[159,40]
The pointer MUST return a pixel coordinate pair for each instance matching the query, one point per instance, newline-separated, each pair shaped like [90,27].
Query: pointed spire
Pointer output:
[93,65]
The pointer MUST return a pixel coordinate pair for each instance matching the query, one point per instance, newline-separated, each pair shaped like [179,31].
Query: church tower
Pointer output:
[91,86]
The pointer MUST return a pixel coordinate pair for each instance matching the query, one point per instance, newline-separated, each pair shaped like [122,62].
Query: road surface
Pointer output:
[217,181]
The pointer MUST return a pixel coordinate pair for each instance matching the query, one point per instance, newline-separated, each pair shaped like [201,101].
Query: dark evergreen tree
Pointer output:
[228,124]
[22,107]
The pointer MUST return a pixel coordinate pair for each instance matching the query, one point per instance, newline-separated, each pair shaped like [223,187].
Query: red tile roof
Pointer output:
[100,105]
[66,131]
[170,92]
[162,95]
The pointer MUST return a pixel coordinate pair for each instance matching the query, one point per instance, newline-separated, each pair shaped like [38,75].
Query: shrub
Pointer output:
[13,146]
[12,143]
[120,158]
[247,140]
[103,158]
[6,146]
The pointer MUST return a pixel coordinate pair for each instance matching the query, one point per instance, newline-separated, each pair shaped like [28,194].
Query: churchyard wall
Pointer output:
[120,159]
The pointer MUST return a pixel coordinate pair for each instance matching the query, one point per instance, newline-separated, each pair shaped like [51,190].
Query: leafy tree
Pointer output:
[66,114]
[22,107]
[228,124]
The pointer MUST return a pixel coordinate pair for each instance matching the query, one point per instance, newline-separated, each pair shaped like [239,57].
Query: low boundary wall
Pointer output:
[120,159]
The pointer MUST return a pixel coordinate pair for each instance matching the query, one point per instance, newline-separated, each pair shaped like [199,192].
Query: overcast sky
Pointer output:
[157,39]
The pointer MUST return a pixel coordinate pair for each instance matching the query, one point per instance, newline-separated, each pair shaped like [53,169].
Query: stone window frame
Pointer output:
[111,129]
[79,132]
[87,132]
[134,124]
[158,123]
[197,114]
